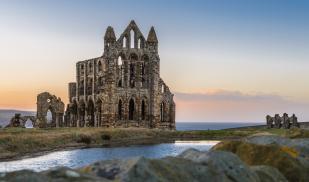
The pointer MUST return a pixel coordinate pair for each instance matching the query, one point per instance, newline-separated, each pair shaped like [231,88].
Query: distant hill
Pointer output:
[6,115]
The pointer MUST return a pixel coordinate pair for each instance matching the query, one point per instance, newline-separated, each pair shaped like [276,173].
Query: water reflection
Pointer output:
[81,157]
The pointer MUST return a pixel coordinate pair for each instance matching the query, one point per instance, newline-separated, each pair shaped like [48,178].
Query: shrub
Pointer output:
[82,138]
[106,137]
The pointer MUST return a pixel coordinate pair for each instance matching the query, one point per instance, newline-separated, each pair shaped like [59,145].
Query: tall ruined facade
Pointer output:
[123,87]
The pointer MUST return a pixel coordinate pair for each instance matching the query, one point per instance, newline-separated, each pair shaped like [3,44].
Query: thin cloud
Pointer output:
[232,106]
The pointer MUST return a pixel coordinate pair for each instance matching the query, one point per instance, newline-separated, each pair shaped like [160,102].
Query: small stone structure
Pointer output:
[20,121]
[47,102]
[285,121]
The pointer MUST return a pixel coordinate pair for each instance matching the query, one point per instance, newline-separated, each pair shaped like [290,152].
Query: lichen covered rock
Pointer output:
[288,157]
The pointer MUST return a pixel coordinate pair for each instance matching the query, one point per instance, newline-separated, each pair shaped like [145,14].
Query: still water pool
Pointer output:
[82,157]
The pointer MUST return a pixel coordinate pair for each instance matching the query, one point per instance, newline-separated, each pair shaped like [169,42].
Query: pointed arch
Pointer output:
[162,110]
[139,44]
[81,110]
[143,110]
[120,110]
[120,61]
[131,109]
[99,66]
[124,42]
[132,38]
[90,112]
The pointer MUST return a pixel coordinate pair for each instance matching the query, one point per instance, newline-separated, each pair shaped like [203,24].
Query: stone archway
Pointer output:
[47,102]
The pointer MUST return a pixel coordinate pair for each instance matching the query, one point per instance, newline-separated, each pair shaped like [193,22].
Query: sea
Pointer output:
[184,126]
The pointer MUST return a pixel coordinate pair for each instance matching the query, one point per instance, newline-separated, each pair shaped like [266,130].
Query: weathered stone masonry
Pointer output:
[122,88]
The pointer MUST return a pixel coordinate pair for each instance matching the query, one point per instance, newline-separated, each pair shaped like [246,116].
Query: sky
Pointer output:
[226,61]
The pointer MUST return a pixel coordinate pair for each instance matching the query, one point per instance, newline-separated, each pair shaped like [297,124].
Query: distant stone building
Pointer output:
[123,87]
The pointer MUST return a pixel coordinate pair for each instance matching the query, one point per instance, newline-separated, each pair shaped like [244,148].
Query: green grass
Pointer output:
[21,141]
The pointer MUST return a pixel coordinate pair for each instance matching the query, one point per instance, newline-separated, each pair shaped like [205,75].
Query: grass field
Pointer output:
[18,142]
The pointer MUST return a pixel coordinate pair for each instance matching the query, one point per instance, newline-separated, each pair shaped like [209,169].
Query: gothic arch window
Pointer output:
[132,39]
[101,81]
[89,86]
[139,43]
[143,110]
[120,109]
[81,111]
[162,109]
[120,61]
[82,68]
[124,42]
[90,112]
[132,75]
[90,67]
[99,66]
[119,83]
[131,109]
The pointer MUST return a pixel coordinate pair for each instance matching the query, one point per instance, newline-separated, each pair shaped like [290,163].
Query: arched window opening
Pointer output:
[90,112]
[131,109]
[99,66]
[81,110]
[120,83]
[82,69]
[28,123]
[132,39]
[143,110]
[89,86]
[101,81]
[132,75]
[162,108]
[124,42]
[120,61]
[120,110]
[90,67]
[162,88]
[139,44]
[49,117]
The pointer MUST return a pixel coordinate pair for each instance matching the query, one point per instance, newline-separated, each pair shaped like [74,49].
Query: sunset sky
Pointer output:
[225,60]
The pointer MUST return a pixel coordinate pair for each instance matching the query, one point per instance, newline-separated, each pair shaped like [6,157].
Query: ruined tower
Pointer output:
[123,87]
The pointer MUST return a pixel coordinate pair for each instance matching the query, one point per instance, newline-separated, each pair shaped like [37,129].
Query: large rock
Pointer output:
[191,165]
[290,157]
[142,169]
[223,163]
[300,145]
[58,175]
[268,174]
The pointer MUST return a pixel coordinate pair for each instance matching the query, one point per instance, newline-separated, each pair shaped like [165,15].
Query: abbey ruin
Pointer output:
[123,87]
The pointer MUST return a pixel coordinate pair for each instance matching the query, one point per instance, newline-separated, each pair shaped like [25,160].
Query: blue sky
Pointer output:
[254,48]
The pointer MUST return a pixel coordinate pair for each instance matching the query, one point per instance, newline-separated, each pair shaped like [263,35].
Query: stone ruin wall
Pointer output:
[121,88]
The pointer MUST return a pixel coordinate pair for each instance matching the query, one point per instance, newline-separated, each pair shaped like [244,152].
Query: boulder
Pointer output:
[224,163]
[142,169]
[268,174]
[300,145]
[288,157]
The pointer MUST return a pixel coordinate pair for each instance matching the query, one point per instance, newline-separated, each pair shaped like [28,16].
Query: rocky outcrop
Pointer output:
[289,156]
[191,165]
